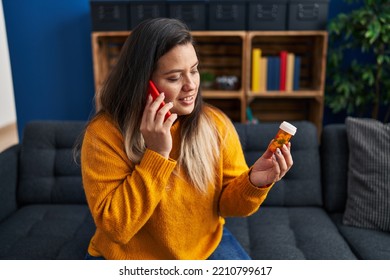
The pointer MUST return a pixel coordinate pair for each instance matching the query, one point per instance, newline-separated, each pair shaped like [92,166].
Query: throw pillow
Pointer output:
[368,200]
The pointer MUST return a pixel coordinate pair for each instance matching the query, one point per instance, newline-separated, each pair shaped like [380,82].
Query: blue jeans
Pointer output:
[229,249]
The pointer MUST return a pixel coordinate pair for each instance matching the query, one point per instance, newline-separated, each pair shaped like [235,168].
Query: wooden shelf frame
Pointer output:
[230,52]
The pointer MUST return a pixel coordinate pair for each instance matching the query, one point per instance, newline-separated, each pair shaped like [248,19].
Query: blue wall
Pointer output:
[51,58]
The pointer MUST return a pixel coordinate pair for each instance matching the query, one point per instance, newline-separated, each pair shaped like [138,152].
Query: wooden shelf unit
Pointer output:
[229,53]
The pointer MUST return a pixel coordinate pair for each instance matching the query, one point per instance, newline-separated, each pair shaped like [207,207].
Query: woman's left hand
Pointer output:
[271,167]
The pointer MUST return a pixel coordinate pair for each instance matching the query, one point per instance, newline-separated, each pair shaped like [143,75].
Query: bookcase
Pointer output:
[228,54]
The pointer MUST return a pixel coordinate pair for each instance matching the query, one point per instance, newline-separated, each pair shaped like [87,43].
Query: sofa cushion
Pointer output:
[298,233]
[293,189]
[48,172]
[368,204]
[367,244]
[47,232]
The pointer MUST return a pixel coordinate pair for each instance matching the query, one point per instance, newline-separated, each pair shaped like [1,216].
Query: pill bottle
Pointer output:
[286,131]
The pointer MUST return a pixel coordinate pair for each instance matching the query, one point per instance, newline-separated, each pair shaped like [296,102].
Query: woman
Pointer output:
[160,188]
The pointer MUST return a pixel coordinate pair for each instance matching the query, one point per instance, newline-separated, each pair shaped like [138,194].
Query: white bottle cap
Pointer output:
[288,127]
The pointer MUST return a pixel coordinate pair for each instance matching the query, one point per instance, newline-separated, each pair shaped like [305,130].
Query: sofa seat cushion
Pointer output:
[367,244]
[46,232]
[299,233]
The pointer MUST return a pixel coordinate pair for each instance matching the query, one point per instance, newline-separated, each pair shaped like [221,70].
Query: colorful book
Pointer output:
[249,114]
[270,74]
[290,71]
[297,72]
[256,55]
[283,70]
[263,74]
[273,73]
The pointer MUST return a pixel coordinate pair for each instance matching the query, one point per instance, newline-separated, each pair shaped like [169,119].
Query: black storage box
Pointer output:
[144,9]
[192,12]
[227,15]
[307,14]
[109,15]
[267,14]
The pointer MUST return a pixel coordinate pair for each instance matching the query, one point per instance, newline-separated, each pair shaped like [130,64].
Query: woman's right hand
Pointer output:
[156,131]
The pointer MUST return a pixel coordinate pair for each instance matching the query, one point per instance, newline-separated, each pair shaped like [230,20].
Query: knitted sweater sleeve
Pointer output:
[239,196]
[121,196]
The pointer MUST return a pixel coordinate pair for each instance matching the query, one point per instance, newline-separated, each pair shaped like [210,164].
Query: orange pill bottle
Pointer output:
[286,131]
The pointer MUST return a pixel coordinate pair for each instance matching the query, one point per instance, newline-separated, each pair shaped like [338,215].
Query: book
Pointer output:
[297,72]
[263,73]
[290,71]
[273,73]
[283,70]
[256,55]
[249,116]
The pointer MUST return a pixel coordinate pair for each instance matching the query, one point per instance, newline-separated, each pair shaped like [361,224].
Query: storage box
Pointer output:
[227,15]
[307,14]
[192,12]
[267,14]
[109,15]
[144,9]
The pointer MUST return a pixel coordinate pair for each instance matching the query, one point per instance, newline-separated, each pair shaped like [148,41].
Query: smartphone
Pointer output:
[154,92]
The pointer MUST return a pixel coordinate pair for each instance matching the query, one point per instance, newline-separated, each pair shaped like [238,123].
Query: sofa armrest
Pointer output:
[9,166]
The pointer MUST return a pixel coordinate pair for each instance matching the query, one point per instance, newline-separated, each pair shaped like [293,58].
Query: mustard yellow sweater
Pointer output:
[146,212]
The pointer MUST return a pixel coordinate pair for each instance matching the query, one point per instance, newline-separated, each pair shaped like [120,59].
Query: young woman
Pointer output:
[160,189]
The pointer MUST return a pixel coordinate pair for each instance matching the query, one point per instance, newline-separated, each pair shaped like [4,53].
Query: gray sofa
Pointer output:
[43,211]
[302,216]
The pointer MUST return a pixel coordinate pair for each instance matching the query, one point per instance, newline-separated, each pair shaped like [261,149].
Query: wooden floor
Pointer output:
[8,136]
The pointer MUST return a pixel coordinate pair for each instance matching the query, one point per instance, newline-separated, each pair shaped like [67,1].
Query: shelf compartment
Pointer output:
[221,53]
[277,109]
[235,110]
[311,46]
